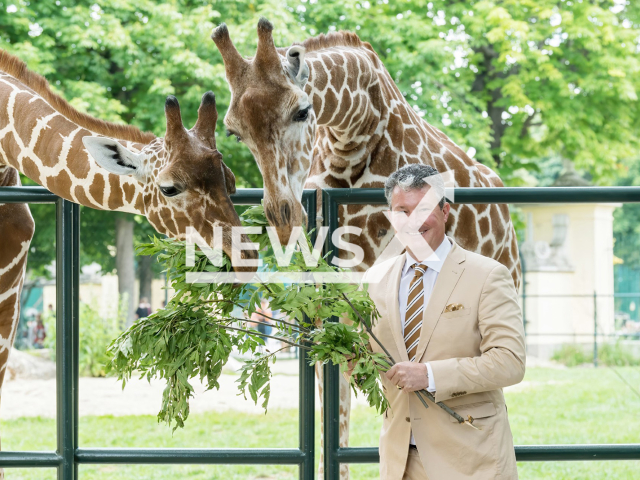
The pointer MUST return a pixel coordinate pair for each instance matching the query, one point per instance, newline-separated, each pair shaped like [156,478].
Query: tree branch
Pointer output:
[262,314]
[248,320]
[258,334]
[528,123]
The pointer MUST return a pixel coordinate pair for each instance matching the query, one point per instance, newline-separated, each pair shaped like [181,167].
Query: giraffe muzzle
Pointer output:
[285,213]
[280,217]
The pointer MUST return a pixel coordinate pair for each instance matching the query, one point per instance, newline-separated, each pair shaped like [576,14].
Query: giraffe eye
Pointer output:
[302,114]
[170,191]
[229,133]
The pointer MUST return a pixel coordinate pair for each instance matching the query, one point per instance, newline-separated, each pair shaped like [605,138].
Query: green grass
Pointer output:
[576,405]
[611,354]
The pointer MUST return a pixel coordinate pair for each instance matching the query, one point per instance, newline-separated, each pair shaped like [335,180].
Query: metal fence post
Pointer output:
[67,228]
[595,329]
[307,376]
[75,278]
[331,392]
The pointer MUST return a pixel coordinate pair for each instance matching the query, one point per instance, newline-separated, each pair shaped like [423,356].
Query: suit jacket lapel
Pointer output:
[448,277]
[394,308]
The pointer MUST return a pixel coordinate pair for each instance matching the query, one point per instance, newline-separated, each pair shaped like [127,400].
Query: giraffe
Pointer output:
[325,113]
[17,228]
[178,181]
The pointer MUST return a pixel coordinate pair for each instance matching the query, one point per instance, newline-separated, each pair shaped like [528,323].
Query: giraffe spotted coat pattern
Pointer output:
[177,182]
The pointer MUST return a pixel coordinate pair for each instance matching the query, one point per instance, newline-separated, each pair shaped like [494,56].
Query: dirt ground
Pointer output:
[32,397]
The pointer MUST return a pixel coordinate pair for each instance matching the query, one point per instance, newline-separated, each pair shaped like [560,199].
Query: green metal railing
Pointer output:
[69,454]
[334,455]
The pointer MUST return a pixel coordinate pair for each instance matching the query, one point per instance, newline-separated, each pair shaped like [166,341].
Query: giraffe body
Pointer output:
[16,229]
[359,131]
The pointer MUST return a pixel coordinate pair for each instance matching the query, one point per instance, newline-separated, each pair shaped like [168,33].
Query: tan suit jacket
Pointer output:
[474,352]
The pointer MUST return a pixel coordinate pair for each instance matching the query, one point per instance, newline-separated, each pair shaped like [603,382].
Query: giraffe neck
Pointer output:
[47,147]
[345,91]
[366,128]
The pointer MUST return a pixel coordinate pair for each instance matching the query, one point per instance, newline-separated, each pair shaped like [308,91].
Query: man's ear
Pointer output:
[446,208]
[112,156]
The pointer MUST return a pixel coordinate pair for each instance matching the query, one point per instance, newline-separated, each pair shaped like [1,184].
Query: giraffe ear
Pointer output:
[297,68]
[112,156]
[229,179]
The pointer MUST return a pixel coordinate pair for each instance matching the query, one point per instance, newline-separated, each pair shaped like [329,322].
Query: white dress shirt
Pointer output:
[434,264]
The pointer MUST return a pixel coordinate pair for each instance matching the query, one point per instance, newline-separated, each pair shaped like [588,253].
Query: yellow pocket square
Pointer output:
[453,307]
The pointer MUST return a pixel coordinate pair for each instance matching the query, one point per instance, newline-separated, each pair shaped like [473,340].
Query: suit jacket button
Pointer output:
[407,419]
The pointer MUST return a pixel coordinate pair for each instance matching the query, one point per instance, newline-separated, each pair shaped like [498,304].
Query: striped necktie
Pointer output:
[415,306]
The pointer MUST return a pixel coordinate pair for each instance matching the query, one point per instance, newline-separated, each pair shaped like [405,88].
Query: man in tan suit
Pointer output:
[452,321]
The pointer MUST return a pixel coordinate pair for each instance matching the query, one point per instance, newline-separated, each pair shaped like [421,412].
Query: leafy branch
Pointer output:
[194,335]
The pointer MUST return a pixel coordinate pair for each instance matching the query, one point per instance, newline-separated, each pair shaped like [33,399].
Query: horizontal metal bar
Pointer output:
[358,455]
[524,453]
[26,195]
[517,195]
[549,453]
[29,459]
[272,456]
[535,195]
[581,295]
[583,334]
[375,196]
[244,196]
[247,196]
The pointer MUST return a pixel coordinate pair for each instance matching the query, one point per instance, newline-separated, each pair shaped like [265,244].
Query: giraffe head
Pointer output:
[272,114]
[183,179]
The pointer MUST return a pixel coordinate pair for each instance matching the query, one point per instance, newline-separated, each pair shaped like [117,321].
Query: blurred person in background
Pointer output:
[39,332]
[144,308]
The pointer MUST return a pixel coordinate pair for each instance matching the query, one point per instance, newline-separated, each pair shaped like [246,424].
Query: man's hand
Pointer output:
[410,376]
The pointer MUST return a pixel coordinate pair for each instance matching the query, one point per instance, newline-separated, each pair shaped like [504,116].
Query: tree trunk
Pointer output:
[486,74]
[125,264]
[145,271]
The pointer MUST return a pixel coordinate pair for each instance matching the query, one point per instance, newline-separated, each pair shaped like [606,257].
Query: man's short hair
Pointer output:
[413,177]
